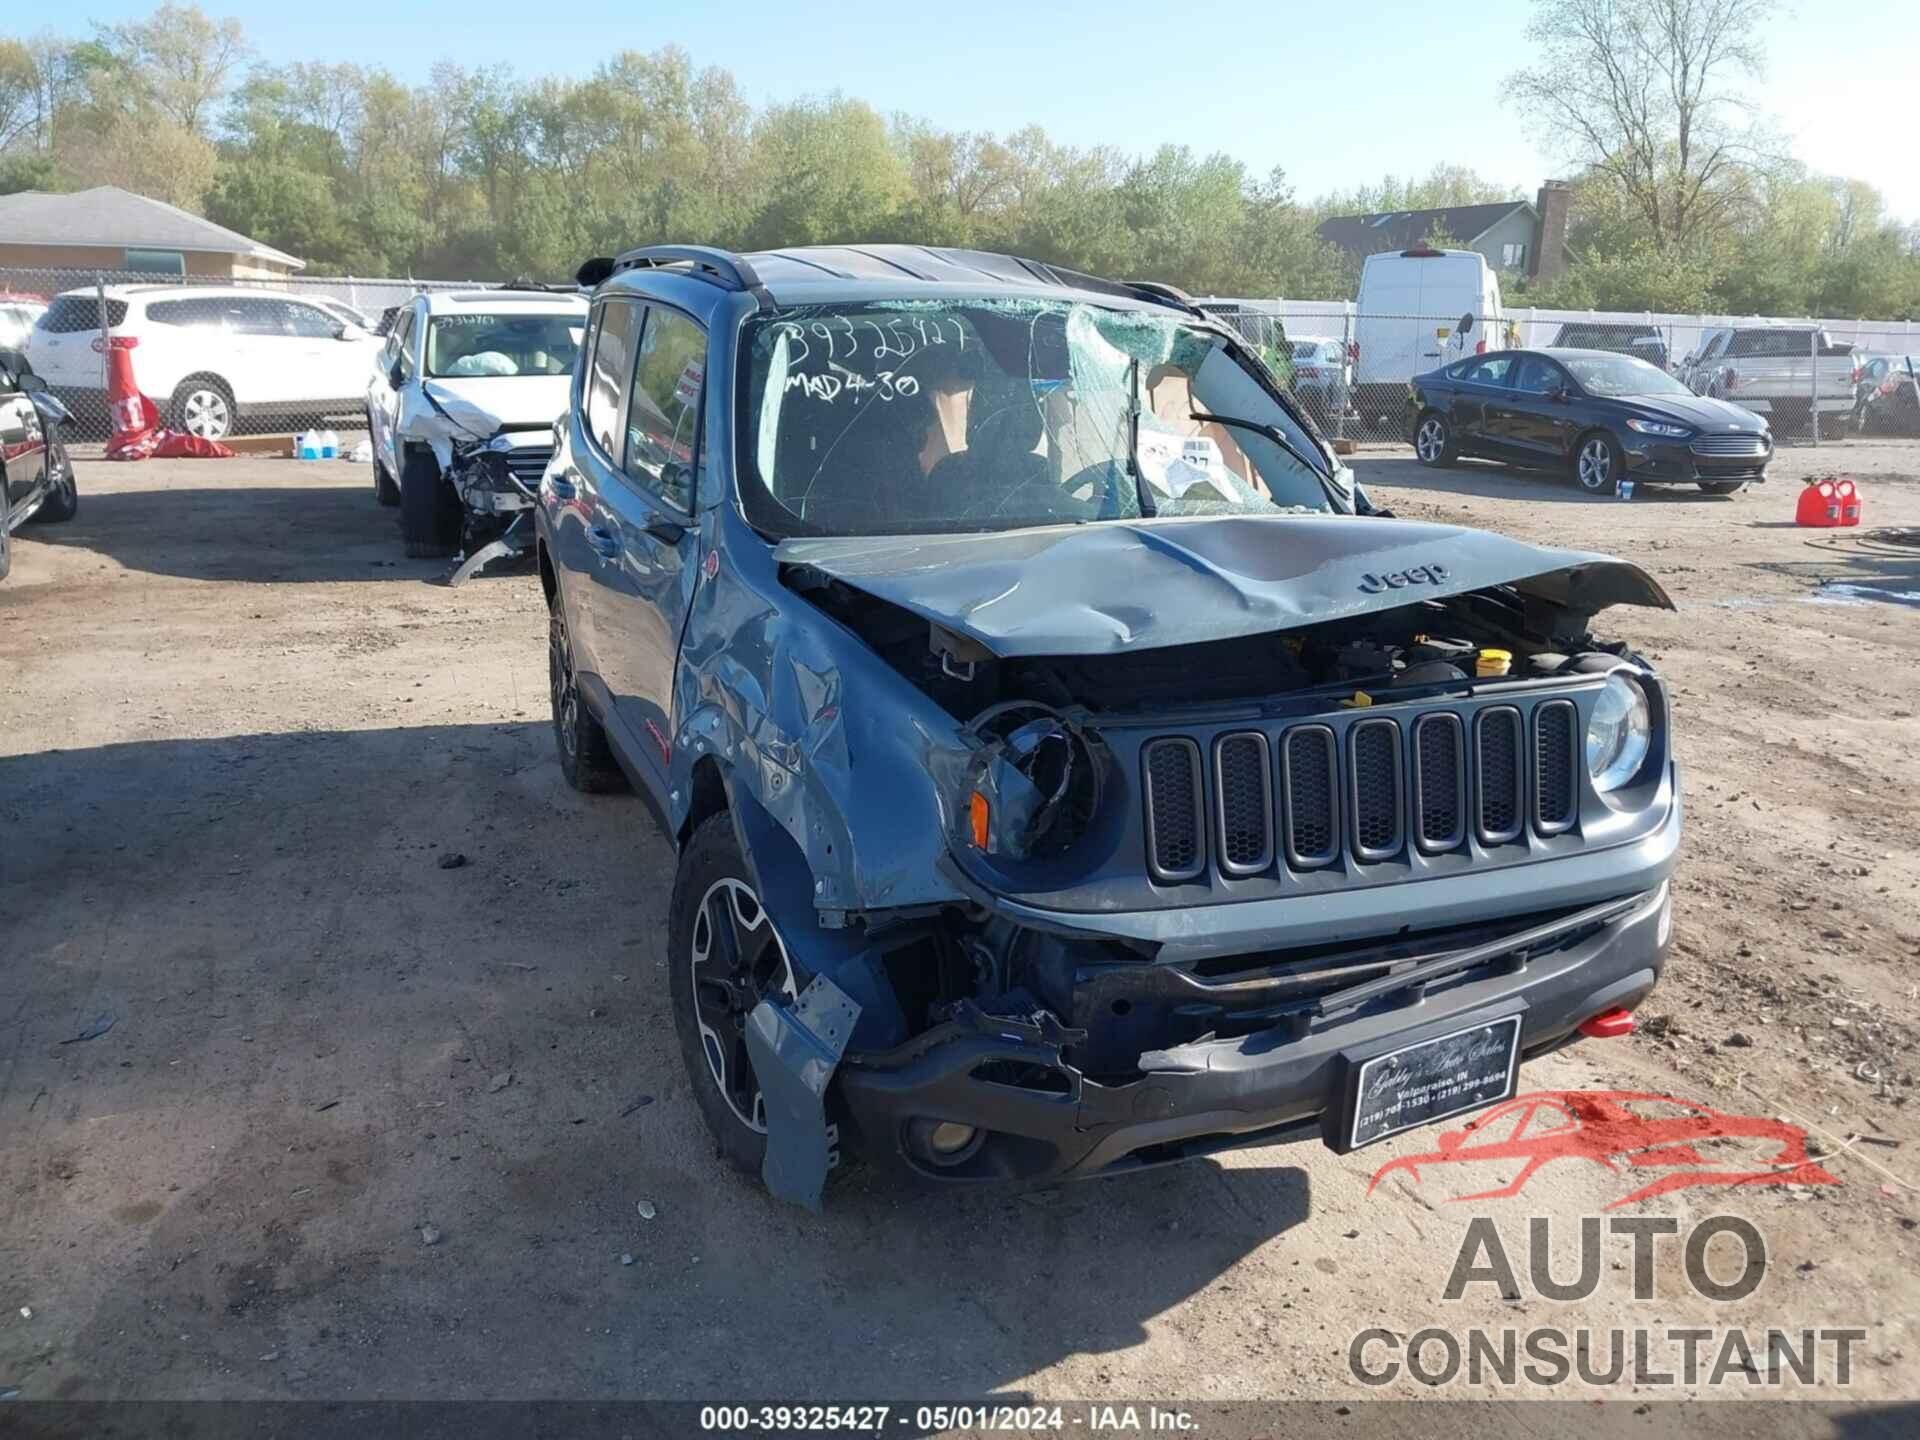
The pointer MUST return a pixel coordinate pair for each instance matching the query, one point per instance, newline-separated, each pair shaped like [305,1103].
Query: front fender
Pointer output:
[839,750]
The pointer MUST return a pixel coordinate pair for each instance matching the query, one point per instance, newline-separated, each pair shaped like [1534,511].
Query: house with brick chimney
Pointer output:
[1518,237]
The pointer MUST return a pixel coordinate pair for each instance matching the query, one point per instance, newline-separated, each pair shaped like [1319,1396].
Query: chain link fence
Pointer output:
[297,351]
[1817,381]
[290,352]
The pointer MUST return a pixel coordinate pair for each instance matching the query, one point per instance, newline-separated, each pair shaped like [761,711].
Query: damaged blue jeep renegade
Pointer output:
[1068,768]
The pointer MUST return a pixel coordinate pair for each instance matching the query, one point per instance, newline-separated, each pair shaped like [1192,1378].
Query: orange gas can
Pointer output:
[1819,505]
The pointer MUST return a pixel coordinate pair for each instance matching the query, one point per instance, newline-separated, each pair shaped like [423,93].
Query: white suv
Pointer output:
[461,410]
[208,356]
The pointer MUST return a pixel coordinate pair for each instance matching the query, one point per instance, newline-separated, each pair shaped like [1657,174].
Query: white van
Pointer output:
[1409,320]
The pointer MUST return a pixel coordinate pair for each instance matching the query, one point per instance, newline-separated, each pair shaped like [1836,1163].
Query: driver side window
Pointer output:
[1539,377]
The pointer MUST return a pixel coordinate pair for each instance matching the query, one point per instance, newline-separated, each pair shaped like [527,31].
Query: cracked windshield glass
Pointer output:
[997,415]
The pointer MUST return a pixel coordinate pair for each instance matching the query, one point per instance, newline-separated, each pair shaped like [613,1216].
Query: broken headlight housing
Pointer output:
[1034,786]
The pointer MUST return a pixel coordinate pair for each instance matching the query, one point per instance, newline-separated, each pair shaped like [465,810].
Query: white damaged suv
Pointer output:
[461,408]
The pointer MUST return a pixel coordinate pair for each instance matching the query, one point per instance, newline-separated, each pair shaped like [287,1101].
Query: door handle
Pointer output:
[561,489]
[604,543]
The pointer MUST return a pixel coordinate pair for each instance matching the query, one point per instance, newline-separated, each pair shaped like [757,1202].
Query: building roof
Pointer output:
[1398,229]
[108,216]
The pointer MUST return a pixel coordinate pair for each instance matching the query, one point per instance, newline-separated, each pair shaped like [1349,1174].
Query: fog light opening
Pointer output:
[944,1143]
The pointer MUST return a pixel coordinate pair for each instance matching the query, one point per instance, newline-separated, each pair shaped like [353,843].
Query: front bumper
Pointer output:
[1656,461]
[1044,1120]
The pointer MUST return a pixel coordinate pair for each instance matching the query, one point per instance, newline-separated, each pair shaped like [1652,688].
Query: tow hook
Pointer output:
[1607,1024]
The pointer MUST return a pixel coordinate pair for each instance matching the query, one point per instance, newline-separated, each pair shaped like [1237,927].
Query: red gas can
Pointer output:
[1848,495]
[1819,505]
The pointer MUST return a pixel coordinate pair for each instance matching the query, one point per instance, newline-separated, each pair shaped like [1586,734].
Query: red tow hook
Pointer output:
[1607,1024]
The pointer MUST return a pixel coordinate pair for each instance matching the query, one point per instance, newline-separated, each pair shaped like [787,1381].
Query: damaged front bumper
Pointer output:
[1010,1107]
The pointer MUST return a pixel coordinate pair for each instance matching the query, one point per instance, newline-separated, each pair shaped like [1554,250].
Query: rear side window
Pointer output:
[70,314]
[608,374]
[198,312]
[1490,371]
[1764,343]
[663,420]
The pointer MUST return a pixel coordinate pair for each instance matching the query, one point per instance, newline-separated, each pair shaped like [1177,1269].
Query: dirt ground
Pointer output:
[363,1126]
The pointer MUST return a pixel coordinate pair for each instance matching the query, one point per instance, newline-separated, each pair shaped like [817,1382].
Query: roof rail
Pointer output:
[1166,294]
[704,262]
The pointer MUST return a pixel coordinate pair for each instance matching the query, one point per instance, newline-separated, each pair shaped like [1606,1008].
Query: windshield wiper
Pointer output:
[1279,437]
[1142,496]
[1272,432]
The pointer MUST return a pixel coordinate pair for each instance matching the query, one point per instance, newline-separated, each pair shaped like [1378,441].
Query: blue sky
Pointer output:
[1337,93]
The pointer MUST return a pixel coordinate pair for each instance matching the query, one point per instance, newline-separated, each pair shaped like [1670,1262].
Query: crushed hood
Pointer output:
[484,404]
[1094,589]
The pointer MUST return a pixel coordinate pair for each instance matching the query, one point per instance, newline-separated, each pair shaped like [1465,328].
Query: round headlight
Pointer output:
[1619,733]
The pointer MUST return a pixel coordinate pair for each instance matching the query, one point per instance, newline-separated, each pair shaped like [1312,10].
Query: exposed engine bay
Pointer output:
[1051,754]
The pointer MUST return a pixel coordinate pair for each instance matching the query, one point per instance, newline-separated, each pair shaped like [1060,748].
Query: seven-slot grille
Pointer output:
[1306,794]
[1748,447]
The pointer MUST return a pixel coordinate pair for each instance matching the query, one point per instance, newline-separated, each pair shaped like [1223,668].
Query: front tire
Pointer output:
[203,406]
[63,491]
[586,759]
[723,957]
[430,513]
[1433,442]
[1597,464]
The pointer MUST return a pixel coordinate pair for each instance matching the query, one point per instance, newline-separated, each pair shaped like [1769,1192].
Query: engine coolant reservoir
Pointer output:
[1492,662]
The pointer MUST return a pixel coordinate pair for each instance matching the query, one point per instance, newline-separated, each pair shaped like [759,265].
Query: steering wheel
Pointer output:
[1113,496]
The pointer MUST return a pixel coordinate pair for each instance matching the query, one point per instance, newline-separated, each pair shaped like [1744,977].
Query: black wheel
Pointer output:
[63,492]
[723,958]
[1723,487]
[1597,465]
[586,759]
[1433,441]
[430,512]
[203,406]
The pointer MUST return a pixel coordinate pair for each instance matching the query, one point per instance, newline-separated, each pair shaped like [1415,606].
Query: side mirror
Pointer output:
[1466,322]
[396,377]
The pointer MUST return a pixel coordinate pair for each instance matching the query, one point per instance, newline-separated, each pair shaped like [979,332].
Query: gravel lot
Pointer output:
[364,1126]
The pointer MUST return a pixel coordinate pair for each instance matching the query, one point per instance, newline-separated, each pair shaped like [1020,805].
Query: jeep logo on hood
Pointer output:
[1399,579]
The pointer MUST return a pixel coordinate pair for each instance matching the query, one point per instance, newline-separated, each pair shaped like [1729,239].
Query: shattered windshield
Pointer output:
[917,417]
[479,345]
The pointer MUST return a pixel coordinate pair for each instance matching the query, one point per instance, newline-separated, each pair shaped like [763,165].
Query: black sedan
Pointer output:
[1599,417]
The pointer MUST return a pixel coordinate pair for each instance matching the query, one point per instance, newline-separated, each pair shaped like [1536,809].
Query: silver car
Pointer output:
[1322,376]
